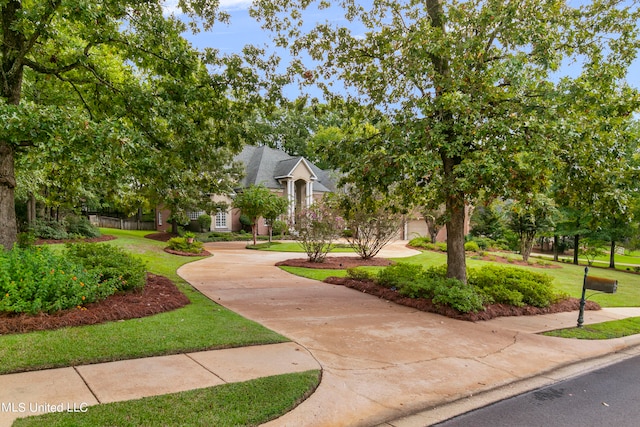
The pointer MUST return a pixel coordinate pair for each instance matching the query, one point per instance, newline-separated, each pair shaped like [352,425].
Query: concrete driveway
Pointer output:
[380,361]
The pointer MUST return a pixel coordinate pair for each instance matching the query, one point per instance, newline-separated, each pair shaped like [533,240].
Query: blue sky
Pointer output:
[244,30]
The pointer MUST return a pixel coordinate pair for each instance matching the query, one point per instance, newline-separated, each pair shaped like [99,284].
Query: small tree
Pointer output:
[372,222]
[315,228]
[530,216]
[276,207]
[435,219]
[254,202]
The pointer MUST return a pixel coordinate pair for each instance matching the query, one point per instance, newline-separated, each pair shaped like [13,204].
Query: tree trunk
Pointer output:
[13,43]
[456,261]
[556,241]
[576,243]
[527,245]
[8,224]
[612,255]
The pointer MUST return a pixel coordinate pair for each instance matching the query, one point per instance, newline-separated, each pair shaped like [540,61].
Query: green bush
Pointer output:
[457,295]
[419,242]
[395,276]
[182,245]
[359,274]
[536,288]
[81,226]
[441,246]
[502,295]
[279,228]
[37,280]
[49,230]
[111,264]
[471,246]
[204,221]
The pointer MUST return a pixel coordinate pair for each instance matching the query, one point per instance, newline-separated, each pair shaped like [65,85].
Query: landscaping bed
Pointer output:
[158,295]
[336,263]
[490,312]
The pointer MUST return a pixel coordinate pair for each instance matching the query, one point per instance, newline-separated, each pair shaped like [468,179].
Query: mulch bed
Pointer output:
[201,253]
[368,286]
[160,237]
[159,295]
[336,263]
[490,312]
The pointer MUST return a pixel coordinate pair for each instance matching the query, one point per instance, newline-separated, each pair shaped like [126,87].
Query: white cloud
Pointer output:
[235,4]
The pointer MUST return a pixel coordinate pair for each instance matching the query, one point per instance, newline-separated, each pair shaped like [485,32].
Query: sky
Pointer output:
[243,30]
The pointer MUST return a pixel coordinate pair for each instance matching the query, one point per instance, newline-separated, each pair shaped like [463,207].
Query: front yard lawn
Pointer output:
[201,325]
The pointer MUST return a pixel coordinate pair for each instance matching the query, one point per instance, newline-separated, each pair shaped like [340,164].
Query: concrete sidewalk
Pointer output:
[75,388]
[383,364]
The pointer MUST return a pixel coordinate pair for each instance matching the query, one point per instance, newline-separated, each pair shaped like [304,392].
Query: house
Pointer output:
[289,176]
[293,177]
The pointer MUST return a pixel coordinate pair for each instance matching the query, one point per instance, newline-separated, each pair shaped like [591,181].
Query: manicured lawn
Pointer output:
[198,326]
[600,331]
[239,404]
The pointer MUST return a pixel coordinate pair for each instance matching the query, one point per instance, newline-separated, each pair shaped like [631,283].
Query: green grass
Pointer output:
[239,404]
[600,331]
[292,247]
[201,325]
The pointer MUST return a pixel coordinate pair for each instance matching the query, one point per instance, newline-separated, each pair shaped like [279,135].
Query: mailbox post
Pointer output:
[599,284]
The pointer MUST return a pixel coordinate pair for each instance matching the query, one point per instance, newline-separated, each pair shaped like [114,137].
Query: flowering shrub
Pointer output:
[112,264]
[315,228]
[37,280]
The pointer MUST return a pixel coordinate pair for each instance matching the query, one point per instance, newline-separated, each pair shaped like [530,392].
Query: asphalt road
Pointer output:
[606,397]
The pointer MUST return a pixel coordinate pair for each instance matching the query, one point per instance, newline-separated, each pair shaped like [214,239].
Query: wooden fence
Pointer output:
[121,224]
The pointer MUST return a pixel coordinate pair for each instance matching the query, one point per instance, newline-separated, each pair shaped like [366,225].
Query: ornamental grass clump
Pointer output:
[35,280]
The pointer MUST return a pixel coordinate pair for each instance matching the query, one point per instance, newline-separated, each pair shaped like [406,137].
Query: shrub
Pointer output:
[399,274]
[111,264]
[182,244]
[471,246]
[535,287]
[279,227]
[359,274]
[49,230]
[502,295]
[422,242]
[204,221]
[81,226]
[316,228]
[441,246]
[457,295]
[37,280]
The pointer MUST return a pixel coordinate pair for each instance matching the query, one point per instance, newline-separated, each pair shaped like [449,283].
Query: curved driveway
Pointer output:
[380,360]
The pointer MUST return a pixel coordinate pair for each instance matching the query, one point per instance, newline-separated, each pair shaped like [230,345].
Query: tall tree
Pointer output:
[107,97]
[468,87]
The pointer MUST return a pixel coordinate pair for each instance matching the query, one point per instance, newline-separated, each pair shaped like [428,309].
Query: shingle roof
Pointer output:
[264,164]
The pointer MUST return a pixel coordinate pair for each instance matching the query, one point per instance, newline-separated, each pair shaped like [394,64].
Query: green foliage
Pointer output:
[182,244]
[112,264]
[80,226]
[498,282]
[458,295]
[422,242]
[204,221]
[37,280]
[49,230]
[258,201]
[359,274]
[279,227]
[471,246]
[395,276]
[442,246]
